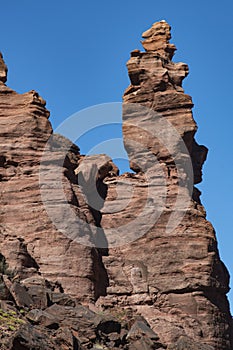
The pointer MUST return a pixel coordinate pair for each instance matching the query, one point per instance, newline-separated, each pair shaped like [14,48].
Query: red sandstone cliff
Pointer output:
[160,284]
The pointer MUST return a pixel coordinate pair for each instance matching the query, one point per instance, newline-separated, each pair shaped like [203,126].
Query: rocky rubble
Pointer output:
[152,277]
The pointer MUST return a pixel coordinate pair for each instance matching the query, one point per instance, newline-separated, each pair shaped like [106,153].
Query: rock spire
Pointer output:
[174,278]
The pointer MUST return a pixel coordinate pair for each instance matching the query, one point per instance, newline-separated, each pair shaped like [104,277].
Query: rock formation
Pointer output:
[175,279]
[159,283]
[26,229]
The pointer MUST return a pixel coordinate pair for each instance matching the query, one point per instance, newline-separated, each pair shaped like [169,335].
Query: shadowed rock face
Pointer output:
[164,286]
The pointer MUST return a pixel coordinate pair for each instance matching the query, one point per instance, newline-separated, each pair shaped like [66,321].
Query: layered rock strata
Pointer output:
[30,241]
[173,277]
[149,266]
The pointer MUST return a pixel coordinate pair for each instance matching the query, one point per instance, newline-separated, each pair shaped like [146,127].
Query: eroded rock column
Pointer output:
[174,278]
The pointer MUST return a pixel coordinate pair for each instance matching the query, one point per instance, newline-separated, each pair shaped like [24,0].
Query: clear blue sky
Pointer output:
[74,53]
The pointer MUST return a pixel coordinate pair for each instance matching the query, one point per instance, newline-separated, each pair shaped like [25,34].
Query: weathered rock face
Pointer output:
[29,241]
[155,274]
[174,278]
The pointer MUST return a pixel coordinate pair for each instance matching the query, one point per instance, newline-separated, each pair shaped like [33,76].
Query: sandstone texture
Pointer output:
[93,260]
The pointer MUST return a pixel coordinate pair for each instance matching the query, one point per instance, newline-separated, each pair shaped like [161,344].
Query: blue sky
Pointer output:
[74,54]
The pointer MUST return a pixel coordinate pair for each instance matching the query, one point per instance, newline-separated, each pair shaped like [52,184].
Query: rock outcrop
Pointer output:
[150,277]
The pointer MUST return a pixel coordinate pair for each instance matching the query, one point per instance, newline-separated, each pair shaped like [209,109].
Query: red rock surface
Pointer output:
[175,279]
[156,268]
[24,132]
